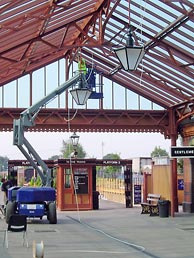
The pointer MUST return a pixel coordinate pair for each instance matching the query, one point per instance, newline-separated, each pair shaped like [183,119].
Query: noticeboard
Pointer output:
[81,181]
[180,184]
[137,194]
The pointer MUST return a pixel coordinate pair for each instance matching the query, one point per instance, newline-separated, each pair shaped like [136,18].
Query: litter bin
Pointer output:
[163,208]
[96,200]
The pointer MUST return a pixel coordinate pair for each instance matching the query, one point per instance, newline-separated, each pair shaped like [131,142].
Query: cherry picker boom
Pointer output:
[36,201]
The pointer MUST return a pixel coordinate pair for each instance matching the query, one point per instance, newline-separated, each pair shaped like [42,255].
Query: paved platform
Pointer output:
[112,231]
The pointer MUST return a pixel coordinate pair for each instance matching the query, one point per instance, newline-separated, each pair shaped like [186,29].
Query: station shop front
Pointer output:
[76,182]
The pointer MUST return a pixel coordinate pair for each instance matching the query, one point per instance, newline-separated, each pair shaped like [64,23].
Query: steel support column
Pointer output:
[173,137]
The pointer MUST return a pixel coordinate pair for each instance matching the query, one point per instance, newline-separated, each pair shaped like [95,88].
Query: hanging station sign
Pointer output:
[182,152]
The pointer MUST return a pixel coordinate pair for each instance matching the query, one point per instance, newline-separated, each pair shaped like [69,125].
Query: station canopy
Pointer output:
[35,33]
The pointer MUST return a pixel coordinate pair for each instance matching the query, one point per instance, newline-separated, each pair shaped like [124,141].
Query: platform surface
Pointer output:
[112,231]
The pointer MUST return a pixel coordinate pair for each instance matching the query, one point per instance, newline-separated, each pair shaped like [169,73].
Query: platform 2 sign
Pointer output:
[182,152]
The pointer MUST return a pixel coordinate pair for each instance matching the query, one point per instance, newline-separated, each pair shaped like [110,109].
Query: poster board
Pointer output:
[81,181]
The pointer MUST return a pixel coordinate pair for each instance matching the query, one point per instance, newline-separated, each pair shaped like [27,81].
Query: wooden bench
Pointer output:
[151,206]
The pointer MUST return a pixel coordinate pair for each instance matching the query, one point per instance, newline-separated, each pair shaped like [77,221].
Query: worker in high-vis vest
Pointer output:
[82,66]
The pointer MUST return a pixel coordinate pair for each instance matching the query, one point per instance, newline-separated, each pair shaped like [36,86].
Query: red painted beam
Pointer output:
[91,120]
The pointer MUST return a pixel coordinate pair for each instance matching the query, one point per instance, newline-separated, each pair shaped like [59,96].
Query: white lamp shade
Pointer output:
[130,56]
[81,95]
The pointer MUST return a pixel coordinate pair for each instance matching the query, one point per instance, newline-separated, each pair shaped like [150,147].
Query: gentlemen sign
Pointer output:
[182,152]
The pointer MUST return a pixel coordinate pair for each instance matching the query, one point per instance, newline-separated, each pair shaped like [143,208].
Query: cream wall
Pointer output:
[161,181]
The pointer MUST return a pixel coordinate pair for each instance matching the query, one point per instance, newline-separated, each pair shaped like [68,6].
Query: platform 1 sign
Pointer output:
[182,152]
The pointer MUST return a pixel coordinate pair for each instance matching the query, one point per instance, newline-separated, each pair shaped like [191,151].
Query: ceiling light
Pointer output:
[82,93]
[129,55]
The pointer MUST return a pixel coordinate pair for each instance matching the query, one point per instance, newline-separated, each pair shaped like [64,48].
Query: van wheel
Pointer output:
[52,213]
